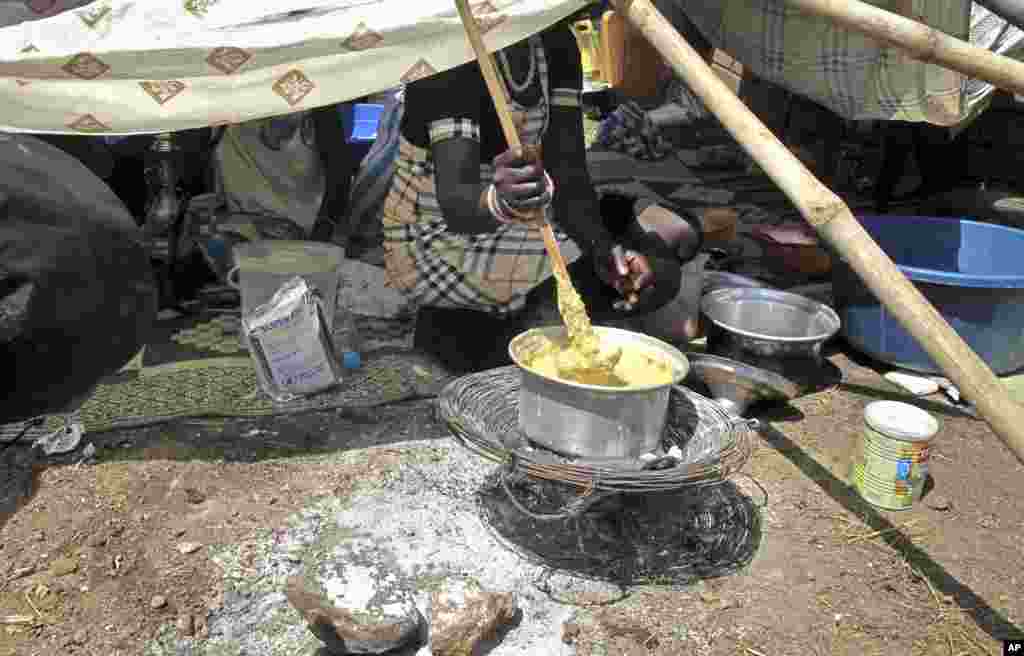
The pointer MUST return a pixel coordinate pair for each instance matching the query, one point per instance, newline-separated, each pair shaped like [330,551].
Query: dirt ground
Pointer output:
[96,557]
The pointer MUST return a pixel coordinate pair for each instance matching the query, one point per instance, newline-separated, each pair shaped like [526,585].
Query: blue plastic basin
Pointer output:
[973,273]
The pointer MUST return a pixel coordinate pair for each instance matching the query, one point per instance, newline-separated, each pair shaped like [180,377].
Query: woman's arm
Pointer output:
[460,193]
[576,206]
[442,114]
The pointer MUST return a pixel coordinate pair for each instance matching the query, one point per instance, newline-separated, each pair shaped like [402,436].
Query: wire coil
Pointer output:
[481,410]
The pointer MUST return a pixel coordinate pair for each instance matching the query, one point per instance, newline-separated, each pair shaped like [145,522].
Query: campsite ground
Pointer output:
[104,556]
[97,557]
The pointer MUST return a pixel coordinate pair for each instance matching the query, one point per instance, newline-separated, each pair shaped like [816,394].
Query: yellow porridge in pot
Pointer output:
[624,366]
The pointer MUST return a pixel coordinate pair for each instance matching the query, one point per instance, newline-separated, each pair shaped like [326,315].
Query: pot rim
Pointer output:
[682,364]
[753,293]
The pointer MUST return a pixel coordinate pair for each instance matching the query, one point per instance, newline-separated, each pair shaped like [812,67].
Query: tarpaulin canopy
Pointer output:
[134,66]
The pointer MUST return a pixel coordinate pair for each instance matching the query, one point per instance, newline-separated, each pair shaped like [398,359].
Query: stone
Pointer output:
[97,540]
[620,626]
[194,496]
[463,615]
[938,502]
[80,637]
[570,632]
[63,566]
[158,602]
[377,628]
[186,626]
[622,646]
[202,630]
[189,547]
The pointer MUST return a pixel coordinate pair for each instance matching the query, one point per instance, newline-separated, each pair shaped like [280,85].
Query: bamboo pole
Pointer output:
[924,43]
[834,221]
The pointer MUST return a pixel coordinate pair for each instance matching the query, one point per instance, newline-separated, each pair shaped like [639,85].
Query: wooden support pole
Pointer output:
[834,221]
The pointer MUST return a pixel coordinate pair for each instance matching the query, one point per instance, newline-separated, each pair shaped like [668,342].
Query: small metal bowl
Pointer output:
[737,385]
[767,323]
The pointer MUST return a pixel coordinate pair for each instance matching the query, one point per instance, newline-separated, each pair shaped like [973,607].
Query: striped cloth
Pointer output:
[489,272]
[854,76]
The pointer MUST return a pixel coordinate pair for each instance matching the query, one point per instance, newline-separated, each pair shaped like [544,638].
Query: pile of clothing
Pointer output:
[630,130]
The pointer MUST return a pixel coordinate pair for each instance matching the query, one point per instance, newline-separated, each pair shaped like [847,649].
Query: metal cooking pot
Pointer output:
[590,420]
[767,323]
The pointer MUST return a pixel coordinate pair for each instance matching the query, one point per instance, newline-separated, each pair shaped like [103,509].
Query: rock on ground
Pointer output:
[463,616]
[375,626]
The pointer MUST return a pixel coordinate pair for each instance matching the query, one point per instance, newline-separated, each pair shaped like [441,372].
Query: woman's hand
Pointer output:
[521,186]
[628,272]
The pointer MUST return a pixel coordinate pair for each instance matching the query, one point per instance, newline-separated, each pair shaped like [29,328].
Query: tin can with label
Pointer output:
[889,465]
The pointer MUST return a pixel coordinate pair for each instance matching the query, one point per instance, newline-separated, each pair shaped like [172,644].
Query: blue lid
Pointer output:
[351,360]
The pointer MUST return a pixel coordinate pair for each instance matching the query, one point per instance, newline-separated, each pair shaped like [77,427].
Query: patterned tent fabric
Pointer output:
[849,73]
[114,67]
[135,66]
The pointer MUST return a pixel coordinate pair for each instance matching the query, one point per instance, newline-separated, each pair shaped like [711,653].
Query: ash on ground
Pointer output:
[420,520]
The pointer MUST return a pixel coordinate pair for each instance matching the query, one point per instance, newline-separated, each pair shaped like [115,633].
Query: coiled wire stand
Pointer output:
[663,520]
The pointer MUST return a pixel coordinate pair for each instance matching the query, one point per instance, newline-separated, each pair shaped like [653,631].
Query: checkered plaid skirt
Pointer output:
[491,272]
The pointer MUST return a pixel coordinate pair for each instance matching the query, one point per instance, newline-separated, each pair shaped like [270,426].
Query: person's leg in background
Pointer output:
[897,143]
[941,160]
[465,340]
[340,162]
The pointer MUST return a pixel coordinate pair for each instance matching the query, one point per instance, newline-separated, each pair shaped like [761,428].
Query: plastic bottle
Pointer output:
[346,335]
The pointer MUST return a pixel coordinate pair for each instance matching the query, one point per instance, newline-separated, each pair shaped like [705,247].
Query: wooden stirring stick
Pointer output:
[586,349]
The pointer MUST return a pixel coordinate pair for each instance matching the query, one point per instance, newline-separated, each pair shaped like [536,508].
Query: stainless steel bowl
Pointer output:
[737,385]
[767,323]
[590,420]
[714,280]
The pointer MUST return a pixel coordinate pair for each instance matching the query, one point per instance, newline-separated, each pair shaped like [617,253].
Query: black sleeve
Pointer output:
[448,96]
[577,211]
[443,114]
[565,71]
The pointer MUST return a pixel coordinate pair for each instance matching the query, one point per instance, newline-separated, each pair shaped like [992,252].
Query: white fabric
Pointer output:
[137,66]
[272,167]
